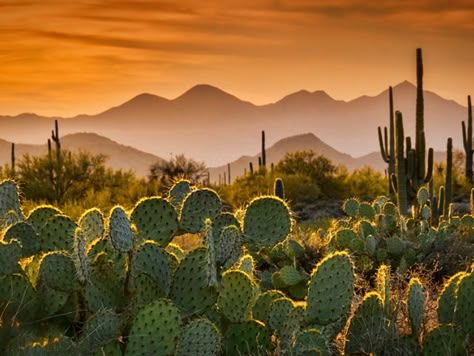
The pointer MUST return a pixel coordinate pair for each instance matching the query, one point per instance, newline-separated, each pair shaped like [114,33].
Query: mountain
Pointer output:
[117,156]
[208,124]
[304,142]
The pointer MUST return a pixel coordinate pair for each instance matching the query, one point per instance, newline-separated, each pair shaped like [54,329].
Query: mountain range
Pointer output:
[213,126]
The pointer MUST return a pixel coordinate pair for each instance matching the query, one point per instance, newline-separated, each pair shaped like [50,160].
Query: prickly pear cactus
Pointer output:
[246,264]
[57,271]
[154,261]
[10,254]
[26,235]
[9,201]
[267,221]
[247,338]
[464,315]
[201,338]
[190,289]
[344,238]
[155,330]
[330,289]
[382,286]
[228,246]
[236,296]
[155,219]
[261,309]
[120,231]
[100,329]
[224,220]
[40,215]
[79,256]
[367,327]
[178,192]
[366,211]
[447,299]
[18,299]
[57,234]
[280,310]
[445,340]
[290,276]
[416,303]
[92,224]
[312,342]
[198,206]
[351,207]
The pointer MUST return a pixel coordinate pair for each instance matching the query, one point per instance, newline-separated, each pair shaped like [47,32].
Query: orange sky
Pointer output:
[61,58]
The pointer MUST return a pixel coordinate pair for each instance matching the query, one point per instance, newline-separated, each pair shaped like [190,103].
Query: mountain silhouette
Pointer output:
[208,124]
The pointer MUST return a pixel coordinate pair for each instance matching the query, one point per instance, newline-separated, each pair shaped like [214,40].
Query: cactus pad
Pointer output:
[198,206]
[10,254]
[464,315]
[155,219]
[267,221]
[367,327]
[236,295]
[92,224]
[120,231]
[447,299]
[330,289]
[57,271]
[351,207]
[200,338]
[57,234]
[311,342]
[101,329]
[41,214]
[416,303]
[155,330]
[261,309]
[154,261]
[190,289]
[26,235]
[248,338]
[445,340]
[178,192]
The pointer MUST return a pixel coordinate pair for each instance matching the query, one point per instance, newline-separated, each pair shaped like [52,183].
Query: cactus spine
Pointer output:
[387,142]
[467,141]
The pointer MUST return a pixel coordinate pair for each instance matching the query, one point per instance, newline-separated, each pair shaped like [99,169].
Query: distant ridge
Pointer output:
[211,125]
[118,156]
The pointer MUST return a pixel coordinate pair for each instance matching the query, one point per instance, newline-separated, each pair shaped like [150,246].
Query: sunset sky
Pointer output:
[66,58]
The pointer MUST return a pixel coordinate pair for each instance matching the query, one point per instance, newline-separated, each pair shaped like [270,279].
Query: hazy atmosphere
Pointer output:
[67,58]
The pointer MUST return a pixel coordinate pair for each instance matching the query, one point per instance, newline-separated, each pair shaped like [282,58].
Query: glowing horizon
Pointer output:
[65,59]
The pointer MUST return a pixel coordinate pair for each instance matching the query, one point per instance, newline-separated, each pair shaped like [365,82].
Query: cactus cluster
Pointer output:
[119,285]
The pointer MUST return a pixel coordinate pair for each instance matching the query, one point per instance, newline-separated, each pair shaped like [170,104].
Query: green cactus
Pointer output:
[247,338]
[40,215]
[236,295]
[279,188]
[105,289]
[262,306]
[91,223]
[330,289]
[155,219]
[190,289]
[291,327]
[367,327]
[100,329]
[152,260]
[10,254]
[198,206]
[246,264]
[80,257]
[448,186]
[279,313]
[228,246]
[178,192]
[155,330]
[351,207]
[120,231]
[25,234]
[447,299]
[267,221]
[201,338]
[57,234]
[467,142]
[57,271]
[146,289]
[211,255]
[464,312]
[387,142]
[18,299]
[312,342]
[344,237]
[445,340]
[416,303]
[9,201]
[290,276]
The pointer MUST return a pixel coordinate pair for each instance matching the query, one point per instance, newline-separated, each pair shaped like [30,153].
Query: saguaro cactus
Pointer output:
[449,177]
[387,142]
[467,141]
[400,180]
[264,153]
